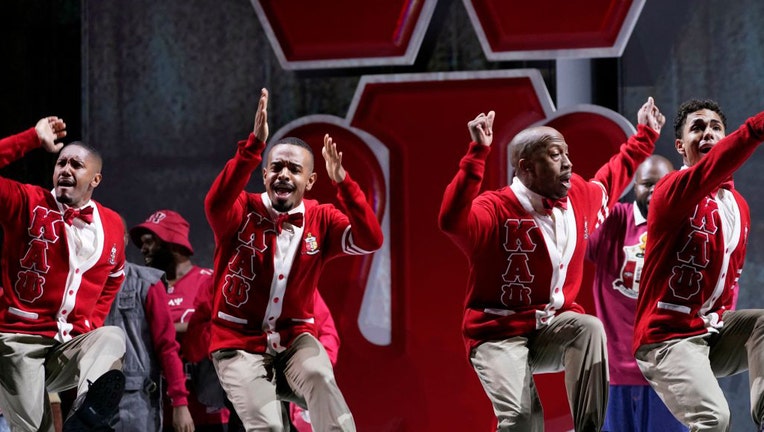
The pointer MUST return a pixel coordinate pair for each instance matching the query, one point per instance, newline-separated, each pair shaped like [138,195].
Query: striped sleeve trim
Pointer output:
[348,245]
[604,211]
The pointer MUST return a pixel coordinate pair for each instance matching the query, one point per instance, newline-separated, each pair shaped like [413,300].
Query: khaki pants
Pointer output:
[256,382]
[32,365]
[572,342]
[683,371]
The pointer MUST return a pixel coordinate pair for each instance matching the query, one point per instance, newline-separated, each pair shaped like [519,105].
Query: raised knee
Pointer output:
[591,326]
[274,427]
[112,339]
[722,415]
[715,417]
[760,322]
[318,376]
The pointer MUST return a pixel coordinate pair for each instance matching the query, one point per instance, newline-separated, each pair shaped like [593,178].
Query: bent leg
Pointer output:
[309,372]
[85,358]
[250,384]
[740,346]
[656,416]
[578,342]
[503,369]
[22,381]
[680,372]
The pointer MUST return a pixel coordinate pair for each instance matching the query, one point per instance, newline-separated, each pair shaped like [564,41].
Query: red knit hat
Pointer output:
[167,225]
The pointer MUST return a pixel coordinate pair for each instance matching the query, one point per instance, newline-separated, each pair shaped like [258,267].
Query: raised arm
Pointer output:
[223,205]
[50,129]
[481,128]
[333,160]
[617,173]
[456,210]
[650,116]
[45,133]
[356,226]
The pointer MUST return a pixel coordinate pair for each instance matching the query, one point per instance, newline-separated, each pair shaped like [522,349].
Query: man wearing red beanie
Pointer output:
[164,244]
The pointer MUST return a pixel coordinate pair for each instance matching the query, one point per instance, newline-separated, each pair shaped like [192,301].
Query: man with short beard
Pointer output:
[269,252]
[163,239]
[686,332]
[617,248]
[63,265]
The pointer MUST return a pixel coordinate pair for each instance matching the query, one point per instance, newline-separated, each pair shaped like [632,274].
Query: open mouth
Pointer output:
[282,190]
[66,182]
[565,180]
[705,147]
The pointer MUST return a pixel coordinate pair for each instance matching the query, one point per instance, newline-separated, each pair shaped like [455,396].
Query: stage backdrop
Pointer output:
[169,87]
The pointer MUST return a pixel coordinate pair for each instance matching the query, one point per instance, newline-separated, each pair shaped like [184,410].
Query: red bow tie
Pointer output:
[86,214]
[294,219]
[550,203]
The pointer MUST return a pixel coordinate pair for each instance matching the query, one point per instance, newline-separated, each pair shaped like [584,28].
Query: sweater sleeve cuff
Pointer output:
[651,134]
[30,136]
[179,401]
[344,183]
[474,161]
[348,189]
[756,125]
[24,142]
[251,147]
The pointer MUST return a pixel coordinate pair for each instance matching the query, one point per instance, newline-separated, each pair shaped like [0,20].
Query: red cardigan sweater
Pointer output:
[244,253]
[43,293]
[514,286]
[690,274]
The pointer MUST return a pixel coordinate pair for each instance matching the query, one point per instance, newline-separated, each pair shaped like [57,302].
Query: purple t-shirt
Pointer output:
[617,248]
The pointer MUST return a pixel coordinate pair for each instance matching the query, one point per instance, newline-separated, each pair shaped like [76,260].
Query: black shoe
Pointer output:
[99,406]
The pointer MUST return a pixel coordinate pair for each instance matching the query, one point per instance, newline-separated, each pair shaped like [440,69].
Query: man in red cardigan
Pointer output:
[269,252]
[686,333]
[526,245]
[63,259]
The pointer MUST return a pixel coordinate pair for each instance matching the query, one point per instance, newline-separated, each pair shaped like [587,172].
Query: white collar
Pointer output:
[639,218]
[531,201]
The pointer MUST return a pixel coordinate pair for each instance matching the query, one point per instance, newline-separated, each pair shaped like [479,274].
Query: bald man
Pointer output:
[63,265]
[618,250]
[526,245]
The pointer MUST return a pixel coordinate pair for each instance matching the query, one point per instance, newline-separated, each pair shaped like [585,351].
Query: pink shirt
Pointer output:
[618,250]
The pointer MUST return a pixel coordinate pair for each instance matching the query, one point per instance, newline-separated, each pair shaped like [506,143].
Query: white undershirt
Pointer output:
[84,243]
[553,226]
[287,245]
[559,232]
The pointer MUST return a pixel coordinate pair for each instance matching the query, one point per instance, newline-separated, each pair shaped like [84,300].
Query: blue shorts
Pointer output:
[638,409]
